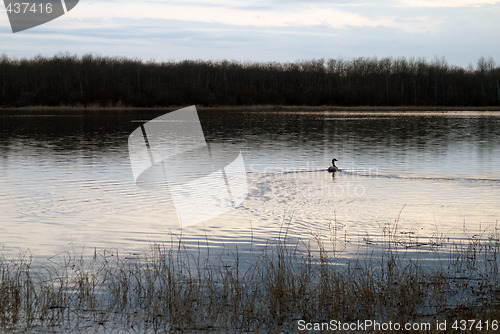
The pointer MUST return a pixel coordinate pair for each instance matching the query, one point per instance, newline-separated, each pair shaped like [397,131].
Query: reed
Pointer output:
[171,289]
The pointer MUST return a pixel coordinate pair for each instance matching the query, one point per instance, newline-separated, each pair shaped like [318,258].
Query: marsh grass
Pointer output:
[173,289]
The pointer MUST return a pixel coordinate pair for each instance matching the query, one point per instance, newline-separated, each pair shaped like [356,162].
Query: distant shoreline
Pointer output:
[270,108]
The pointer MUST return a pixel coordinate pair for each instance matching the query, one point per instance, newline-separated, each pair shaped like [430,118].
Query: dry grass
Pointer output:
[172,290]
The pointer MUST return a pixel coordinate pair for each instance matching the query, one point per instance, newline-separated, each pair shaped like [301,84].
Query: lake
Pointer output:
[422,178]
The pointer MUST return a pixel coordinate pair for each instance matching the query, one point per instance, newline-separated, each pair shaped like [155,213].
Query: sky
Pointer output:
[461,31]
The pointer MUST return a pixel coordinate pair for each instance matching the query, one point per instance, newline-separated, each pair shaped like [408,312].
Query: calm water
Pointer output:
[66,181]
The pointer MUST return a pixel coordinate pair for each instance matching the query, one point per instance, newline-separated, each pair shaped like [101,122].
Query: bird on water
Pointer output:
[333,168]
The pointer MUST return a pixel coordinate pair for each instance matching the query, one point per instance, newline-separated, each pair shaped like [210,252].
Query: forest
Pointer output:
[90,80]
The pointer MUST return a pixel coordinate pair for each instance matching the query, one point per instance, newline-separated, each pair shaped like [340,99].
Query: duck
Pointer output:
[333,168]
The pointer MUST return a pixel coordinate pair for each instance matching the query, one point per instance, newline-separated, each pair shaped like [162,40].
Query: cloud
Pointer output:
[448,3]
[282,16]
[295,15]
[266,30]
[273,15]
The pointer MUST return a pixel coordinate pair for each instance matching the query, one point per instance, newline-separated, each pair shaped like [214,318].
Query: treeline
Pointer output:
[94,80]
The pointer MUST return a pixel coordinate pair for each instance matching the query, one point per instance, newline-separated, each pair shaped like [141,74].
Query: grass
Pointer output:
[172,290]
[273,108]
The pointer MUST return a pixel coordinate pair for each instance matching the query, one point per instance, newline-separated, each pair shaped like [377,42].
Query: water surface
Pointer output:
[67,186]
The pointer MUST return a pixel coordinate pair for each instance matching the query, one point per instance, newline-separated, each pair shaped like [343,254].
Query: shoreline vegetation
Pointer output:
[89,80]
[271,108]
[171,290]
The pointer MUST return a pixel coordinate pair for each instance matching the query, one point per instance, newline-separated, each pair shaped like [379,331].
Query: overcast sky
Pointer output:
[462,31]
